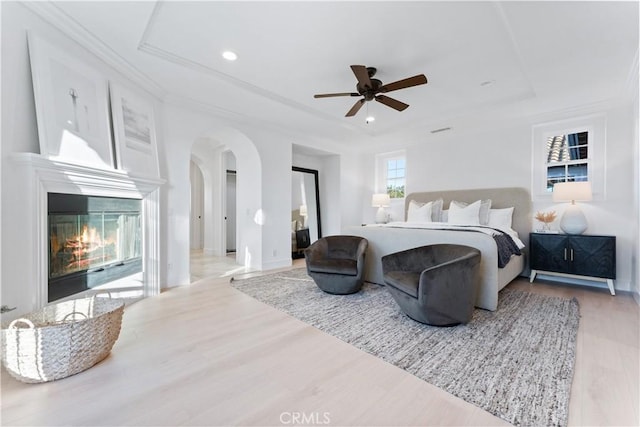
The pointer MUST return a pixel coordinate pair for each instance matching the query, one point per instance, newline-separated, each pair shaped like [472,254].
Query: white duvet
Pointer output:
[446,226]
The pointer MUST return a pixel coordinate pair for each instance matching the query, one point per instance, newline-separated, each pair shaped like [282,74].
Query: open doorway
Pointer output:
[230,202]
[230,214]
[223,150]
[196,216]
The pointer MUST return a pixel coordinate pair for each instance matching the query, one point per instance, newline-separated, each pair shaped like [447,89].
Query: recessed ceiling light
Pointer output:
[370,119]
[229,56]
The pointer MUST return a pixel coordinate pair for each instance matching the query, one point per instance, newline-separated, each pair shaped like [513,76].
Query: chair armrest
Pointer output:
[360,254]
[317,251]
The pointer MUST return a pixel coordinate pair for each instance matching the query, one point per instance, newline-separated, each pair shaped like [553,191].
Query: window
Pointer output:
[391,174]
[396,177]
[569,150]
[567,158]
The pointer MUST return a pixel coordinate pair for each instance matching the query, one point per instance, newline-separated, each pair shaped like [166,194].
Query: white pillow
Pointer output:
[419,212]
[485,205]
[294,226]
[464,215]
[444,217]
[501,218]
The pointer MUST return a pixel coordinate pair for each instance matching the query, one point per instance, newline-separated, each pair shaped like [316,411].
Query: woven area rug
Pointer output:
[516,362]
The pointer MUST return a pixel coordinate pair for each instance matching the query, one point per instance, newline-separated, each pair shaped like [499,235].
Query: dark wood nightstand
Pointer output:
[572,255]
[303,241]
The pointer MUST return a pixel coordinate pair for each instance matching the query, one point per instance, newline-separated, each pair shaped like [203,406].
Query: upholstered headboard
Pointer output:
[507,197]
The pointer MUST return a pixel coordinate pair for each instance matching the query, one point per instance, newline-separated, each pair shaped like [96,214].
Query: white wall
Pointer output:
[19,134]
[635,114]
[275,154]
[328,167]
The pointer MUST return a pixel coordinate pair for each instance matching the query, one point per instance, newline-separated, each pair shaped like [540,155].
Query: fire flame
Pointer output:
[90,236]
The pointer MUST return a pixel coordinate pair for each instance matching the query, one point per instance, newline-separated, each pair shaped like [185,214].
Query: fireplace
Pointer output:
[92,241]
[47,176]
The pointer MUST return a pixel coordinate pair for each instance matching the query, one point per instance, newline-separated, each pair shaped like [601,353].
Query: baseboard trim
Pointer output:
[279,263]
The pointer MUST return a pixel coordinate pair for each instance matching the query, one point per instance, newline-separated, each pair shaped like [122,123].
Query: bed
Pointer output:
[394,237]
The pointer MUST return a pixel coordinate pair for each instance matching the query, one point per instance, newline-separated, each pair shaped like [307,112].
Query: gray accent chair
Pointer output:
[336,263]
[435,284]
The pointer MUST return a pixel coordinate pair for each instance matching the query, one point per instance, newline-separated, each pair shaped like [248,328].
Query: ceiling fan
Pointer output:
[370,88]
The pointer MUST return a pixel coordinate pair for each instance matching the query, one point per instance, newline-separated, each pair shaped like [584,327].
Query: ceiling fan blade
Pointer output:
[355,108]
[393,103]
[420,79]
[328,95]
[362,75]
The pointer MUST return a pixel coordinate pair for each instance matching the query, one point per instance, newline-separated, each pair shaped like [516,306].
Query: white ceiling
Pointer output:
[539,57]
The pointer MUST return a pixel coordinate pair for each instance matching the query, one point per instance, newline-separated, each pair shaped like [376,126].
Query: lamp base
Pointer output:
[381,216]
[573,220]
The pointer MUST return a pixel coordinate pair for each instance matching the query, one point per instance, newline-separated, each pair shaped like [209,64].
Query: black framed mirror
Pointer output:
[305,210]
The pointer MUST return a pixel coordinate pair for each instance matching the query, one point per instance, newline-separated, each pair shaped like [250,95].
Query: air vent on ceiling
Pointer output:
[440,130]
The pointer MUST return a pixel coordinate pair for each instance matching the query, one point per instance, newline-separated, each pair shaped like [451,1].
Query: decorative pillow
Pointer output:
[464,215]
[436,210]
[501,218]
[485,206]
[294,226]
[444,217]
[419,212]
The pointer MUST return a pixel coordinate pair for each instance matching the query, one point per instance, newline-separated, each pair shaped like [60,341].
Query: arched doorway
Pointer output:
[213,155]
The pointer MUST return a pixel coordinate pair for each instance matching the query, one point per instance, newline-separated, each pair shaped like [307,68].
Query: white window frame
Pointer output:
[381,170]
[595,125]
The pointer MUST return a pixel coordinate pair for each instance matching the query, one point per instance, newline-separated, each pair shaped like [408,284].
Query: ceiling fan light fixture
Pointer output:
[229,55]
[372,89]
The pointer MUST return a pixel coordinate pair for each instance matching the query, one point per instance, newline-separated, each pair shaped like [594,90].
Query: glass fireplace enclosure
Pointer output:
[92,241]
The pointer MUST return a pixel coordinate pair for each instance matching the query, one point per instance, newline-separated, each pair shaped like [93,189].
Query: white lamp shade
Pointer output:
[303,210]
[380,200]
[579,191]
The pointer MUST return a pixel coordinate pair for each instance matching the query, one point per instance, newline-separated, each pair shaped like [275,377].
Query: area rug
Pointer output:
[516,362]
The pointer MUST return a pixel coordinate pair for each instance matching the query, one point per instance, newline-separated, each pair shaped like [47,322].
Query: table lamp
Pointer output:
[573,220]
[381,201]
[304,213]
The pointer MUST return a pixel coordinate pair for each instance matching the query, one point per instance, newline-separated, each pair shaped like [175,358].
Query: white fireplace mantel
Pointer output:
[54,176]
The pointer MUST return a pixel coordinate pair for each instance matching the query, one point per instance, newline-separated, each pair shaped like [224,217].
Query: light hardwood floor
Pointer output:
[206,354]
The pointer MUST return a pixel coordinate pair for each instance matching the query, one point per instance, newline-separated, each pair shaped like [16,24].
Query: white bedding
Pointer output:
[448,226]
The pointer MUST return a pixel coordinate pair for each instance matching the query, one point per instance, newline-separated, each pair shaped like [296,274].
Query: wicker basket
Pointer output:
[61,339]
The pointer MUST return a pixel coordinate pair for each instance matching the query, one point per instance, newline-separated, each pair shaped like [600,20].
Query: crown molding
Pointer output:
[53,15]
[569,113]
